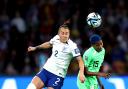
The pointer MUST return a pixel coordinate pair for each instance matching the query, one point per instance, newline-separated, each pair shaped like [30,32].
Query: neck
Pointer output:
[64,41]
[98,50]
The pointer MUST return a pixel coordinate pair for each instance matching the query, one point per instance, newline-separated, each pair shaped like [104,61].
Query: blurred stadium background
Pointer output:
[31,22]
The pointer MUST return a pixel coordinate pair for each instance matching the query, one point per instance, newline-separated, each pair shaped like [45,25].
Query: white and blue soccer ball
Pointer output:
[94,20]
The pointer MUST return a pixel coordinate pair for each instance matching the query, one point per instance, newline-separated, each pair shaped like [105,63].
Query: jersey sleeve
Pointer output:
[53,39]
[86,58]
[75,50]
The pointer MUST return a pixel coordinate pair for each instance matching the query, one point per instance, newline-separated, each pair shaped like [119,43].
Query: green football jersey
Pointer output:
[93,61]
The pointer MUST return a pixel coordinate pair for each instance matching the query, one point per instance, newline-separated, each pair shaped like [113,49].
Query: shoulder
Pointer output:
[88,51]
[54,39]
[103,51]
[87,54]
[72,44]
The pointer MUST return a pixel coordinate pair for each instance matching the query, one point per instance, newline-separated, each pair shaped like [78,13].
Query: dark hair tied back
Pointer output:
[65,24]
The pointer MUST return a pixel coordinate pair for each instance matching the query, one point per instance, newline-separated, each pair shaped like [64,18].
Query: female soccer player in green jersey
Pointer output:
[93,59]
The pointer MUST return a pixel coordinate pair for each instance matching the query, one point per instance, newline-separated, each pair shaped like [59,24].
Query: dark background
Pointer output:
[32,22]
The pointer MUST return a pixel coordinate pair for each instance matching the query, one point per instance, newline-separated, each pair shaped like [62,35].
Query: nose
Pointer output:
[65,36]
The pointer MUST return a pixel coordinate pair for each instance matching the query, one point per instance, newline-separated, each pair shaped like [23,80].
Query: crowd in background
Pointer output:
[26,23]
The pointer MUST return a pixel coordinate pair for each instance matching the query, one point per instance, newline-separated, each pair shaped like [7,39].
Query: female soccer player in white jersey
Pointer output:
[55,69]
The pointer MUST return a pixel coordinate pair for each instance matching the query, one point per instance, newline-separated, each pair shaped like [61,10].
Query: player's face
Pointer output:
[98,45]
[64,34]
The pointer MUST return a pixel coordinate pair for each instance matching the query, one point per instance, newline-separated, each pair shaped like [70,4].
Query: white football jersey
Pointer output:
[62,53]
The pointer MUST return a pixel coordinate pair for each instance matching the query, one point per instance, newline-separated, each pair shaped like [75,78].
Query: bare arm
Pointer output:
[42,46]
[101,74]
[81,64]
[81,68]
[90,73]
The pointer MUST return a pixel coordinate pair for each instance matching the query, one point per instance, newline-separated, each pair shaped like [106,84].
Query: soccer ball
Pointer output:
[94,20]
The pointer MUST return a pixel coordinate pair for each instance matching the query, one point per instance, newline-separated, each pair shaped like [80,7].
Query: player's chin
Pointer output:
[65,40]
[99,49]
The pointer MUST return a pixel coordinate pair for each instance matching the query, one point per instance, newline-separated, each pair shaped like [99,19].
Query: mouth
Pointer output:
[100,49]
[64,40]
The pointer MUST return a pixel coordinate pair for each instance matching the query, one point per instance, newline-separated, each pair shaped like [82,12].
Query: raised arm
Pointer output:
[42,46]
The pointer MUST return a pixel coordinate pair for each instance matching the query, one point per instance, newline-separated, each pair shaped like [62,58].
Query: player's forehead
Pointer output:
[63,29]
[99,42]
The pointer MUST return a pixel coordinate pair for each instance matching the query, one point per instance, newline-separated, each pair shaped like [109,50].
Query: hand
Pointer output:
[101,87]
[106,75]
[82,77]
[31,48]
